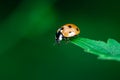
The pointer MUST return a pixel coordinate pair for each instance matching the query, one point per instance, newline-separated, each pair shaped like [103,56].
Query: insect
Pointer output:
[66,31]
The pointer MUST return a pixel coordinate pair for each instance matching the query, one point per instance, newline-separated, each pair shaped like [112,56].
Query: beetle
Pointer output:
[66,31]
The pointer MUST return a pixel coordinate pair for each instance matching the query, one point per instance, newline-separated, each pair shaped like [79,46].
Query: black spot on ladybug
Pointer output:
[62,28]
[77,29]
[69,26]
[70,32]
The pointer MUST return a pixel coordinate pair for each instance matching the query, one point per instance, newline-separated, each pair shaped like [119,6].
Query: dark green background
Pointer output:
[27,30]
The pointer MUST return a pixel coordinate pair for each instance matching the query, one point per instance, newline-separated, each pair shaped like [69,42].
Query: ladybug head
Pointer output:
[59,37]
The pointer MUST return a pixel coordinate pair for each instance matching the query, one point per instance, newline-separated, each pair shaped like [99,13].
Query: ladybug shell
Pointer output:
[70,30]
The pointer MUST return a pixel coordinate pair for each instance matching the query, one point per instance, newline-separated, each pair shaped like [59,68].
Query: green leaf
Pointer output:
[109,50]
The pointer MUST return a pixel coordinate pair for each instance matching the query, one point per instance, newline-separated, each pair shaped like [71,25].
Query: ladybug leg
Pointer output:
[67,39]
[76,36]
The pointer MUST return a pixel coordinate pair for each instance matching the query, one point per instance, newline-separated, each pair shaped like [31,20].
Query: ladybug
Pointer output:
[66,31]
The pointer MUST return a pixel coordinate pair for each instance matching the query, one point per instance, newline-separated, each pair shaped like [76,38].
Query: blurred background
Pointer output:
[27,31]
